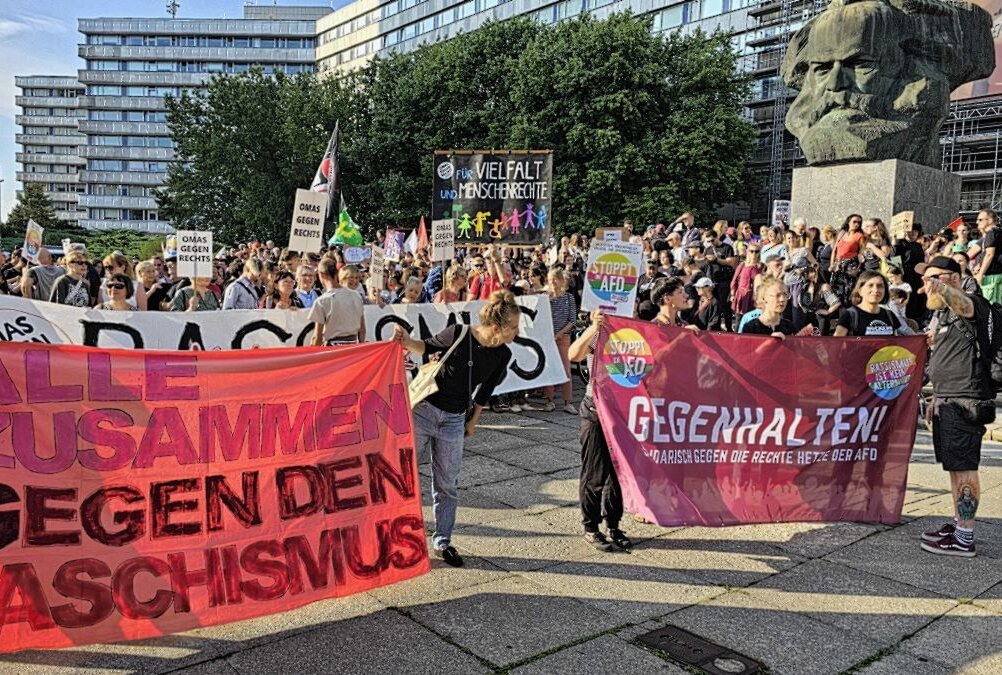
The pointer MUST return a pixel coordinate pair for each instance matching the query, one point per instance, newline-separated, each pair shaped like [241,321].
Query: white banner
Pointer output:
[194,254]
[443,240]
[535,361]
[306,234]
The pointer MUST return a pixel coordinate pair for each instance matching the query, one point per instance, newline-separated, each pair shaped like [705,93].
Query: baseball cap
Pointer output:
[773,255]
[704,282]
[941,262]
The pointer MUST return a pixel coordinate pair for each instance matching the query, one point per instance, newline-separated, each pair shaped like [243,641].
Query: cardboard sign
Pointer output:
[356,255]
[612,234]
[611,277]
[377,270]
[306,233]
[781,210]
[394,244]
[194,253]
[32,241]
[443,240]
[696,439]
[901,223]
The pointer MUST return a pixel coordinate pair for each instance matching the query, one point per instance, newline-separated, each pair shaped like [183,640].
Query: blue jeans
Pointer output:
[441,433]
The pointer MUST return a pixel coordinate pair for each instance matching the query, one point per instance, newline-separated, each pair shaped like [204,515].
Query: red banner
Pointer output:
[723,429]
[145,493]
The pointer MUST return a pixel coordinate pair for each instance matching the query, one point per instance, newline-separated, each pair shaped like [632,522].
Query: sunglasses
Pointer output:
[117,287]
[78,262]
[478,267]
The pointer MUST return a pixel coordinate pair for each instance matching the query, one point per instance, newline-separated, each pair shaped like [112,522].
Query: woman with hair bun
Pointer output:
[465,381]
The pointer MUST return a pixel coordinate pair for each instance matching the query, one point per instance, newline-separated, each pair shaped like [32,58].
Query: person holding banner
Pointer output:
[120,289]
[771,296]
[467,378]
[669,296]
[338,314]
[866,316]
[564,311]
[598,490]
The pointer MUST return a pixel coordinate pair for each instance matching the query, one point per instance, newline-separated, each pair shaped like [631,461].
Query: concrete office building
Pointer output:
[131,64]
[49,139]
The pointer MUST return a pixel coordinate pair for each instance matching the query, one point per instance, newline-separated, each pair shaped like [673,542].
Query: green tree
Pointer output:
[33,205]
[243,147]
[643,126]
[133,244]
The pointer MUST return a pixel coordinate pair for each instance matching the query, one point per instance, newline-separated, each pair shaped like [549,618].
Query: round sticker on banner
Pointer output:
[445,170]
[612,274]
[889,371]
[630,357]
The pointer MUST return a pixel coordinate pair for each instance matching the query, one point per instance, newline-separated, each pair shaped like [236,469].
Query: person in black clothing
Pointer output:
[721,261]
[772,296]
[705,313]
[911,253]
[599,490]
[866,317]
[646,310]
[467,377]
[964,399]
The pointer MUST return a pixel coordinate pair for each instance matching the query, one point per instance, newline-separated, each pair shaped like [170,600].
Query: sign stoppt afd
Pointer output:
[497,196]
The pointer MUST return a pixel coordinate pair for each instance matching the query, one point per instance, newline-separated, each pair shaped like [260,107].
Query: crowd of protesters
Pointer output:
[854,279]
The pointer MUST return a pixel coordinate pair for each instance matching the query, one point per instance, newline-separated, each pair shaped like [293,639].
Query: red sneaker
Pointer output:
[949,545]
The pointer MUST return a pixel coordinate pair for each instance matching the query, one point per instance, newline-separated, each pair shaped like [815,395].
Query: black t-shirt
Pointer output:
[756,327]
[69,291]
[158,295]
[954,366]
[455,381]
[993,239]
[882,323]
[718,271]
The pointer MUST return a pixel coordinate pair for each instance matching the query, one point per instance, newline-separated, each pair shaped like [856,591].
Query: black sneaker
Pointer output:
[949,545]
[944,531]
[620,539]
[598,540]
[450,555]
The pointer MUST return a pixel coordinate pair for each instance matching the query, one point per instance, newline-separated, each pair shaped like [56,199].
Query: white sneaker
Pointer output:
[570,409]
[515,408]
[549,407]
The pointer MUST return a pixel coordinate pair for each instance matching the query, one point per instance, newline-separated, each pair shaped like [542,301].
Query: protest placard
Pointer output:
[306,233]
[376,269]
[32,241]
[194,500]
[781,210]
[611,277]
[394,244]
[499,196]
[901,224]
[194,254]
[443,240]
[697,439]
[612,234]
[356,255]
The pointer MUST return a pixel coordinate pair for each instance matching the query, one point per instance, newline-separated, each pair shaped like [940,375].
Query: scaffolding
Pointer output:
[971,139]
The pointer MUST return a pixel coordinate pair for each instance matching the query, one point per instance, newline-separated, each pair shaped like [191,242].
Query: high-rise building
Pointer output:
[49,139]
[130,65]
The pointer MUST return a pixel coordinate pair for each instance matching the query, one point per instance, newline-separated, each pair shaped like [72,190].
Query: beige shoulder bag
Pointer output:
[423,385]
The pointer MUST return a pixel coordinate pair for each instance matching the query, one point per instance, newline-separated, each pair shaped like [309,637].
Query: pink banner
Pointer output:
[723,429]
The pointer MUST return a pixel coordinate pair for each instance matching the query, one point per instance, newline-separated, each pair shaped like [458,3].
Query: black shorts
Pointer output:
[958,425]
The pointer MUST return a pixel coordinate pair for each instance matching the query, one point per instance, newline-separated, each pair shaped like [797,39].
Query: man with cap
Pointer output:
[705,313]
[964,400]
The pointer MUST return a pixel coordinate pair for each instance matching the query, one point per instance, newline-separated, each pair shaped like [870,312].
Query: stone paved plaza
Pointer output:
[534,598]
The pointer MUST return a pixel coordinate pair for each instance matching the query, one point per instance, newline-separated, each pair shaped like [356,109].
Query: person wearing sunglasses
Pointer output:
[120,289]
[73,288]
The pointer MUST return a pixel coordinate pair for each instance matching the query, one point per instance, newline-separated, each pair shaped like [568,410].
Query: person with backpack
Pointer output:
[965,338]
[866,316]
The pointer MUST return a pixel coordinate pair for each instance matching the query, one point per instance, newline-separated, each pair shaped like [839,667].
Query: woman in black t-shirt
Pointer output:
[772,296]
[866,316]
[468,377]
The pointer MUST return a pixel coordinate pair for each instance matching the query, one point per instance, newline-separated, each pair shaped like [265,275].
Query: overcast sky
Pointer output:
[39,37]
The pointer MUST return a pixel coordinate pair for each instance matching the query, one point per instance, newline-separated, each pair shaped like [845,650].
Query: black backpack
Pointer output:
[988,340]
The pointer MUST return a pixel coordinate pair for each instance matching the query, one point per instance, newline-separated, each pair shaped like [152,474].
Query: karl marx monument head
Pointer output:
[875,76]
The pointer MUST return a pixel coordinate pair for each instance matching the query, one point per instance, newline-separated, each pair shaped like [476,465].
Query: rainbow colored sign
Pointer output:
[611,277]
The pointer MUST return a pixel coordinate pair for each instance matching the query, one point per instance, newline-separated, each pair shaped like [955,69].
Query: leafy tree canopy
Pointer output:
[642,126]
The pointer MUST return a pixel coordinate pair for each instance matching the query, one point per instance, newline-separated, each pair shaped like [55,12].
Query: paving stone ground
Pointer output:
[534,598]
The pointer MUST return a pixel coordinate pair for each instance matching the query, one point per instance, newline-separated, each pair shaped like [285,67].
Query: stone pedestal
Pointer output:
[827,194]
